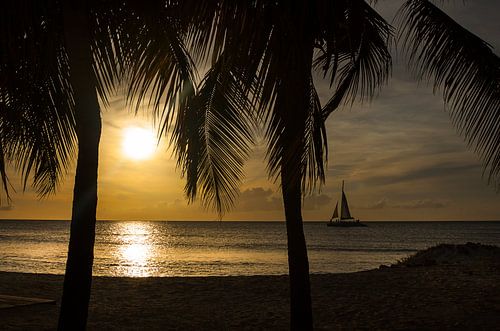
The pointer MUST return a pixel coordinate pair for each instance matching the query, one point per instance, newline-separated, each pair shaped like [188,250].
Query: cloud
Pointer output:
[422,204]
[6,208]
[412,204]
[316,201]
[261,199]
[258,199]
[423,173]
[176,203]
[381,204]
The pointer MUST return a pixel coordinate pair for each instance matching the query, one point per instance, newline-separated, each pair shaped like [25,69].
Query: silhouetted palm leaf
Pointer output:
[36,119]
[352,48]
[354,53]
[464,67]
[212,138]
[158,67]
[316,143]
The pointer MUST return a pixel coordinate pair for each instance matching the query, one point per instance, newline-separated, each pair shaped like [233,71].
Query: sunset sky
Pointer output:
[399,155]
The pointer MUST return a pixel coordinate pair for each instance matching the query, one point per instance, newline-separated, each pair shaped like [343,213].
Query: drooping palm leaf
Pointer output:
[355,52]
[352,41]
[107,21]
[197,134]
[5,179]
[308,144]
[36,119]
[286,91]
[466,70]
[159,69]
[316,143]
[213,135]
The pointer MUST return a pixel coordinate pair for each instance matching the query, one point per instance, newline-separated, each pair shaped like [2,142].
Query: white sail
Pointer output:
[344,209]
[335,212]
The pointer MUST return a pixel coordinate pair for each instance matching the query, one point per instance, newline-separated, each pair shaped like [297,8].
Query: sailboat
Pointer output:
[345,218]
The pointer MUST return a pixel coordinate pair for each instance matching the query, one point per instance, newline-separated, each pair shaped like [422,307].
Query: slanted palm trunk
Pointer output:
[78,277]
[293,104]
[298,264]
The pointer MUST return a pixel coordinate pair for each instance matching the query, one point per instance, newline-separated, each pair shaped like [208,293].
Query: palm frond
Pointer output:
[298,142]
[36,104]
[158,68]
[213,23]
[106,22]
[464,67]
[316,151]
[3,174]
[213,135]
[354,52]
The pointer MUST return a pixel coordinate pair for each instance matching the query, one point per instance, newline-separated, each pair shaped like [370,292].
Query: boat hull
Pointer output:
[346,224]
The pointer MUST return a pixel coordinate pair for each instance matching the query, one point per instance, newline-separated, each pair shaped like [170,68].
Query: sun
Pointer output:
[138,143]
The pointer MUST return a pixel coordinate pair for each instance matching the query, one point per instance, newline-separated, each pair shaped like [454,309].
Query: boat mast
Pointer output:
[344,206]
[341,201]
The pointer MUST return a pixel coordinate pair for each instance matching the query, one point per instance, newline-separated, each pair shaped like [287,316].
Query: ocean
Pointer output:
[154,248]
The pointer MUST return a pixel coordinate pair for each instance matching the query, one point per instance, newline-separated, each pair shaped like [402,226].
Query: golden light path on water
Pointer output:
[136,249]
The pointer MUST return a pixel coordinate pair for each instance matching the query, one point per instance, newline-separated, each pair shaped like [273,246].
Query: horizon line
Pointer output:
[250,221]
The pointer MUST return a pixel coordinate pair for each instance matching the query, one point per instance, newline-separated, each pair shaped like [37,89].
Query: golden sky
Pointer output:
[399,155]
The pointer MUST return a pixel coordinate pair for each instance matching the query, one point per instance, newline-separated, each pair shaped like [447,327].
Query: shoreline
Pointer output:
[440,296]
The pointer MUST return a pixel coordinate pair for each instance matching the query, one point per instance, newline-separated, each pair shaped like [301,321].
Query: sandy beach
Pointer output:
[461,293]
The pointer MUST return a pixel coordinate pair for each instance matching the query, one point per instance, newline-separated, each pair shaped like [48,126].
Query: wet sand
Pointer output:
[456,296]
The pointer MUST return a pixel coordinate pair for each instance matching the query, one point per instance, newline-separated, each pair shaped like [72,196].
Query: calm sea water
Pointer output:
[137,248]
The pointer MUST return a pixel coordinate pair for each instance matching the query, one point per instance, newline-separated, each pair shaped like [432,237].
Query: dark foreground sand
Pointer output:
[459,294]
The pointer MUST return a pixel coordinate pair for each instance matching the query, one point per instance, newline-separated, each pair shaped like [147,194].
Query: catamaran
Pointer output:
[345,218]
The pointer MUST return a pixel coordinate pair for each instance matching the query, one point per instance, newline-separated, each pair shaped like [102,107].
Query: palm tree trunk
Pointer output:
[298,263]
[78,277]
[293,102]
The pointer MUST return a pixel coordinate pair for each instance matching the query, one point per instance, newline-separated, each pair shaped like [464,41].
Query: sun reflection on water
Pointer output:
[136,253]
[136,249]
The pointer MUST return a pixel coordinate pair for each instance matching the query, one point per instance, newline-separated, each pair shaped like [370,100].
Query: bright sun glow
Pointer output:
[138,143]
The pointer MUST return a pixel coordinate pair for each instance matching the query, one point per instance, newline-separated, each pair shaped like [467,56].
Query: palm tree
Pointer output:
[265,52]
[58,59]
[267,58]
